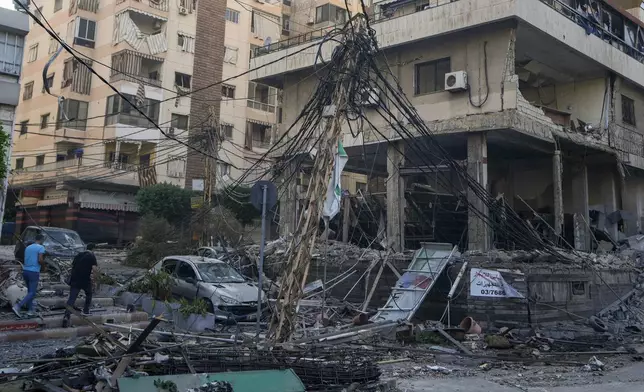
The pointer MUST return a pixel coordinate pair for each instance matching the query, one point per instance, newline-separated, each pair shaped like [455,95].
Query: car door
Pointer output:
[186,271]
[169,266]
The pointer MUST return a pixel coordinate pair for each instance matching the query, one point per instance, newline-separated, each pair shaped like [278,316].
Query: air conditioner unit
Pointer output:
[456,81]
[311,20]
[183,11]
[370,97]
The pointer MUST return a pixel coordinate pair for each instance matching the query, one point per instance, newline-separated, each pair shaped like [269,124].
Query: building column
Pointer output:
[609,199]
[632,201]
[477,230]
[395,197]
[580,207]
[557,185]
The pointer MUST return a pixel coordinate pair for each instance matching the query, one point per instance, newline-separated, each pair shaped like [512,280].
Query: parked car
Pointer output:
[61,246]
[224,289]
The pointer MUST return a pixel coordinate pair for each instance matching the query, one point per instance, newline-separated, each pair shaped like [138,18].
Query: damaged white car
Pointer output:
[225,290]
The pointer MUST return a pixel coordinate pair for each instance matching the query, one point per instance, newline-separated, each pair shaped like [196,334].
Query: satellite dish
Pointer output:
[267,42]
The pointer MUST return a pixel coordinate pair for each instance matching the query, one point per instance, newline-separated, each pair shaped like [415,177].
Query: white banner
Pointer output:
[490,283]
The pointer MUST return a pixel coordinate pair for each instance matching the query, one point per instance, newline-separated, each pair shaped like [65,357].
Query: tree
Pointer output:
[166,201]
[237,200]
[4,150]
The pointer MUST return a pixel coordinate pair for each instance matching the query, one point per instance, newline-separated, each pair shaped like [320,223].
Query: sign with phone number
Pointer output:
[490,283]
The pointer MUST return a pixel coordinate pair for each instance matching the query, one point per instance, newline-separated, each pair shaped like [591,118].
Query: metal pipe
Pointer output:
[185,335]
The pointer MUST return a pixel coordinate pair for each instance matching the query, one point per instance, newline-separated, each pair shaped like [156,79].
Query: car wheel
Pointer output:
[211,306]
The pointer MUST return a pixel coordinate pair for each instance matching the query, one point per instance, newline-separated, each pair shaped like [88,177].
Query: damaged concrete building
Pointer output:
[540,99]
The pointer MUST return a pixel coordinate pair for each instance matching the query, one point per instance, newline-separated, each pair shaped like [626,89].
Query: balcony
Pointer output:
[135,67]
[161,5]
[262,97]
[141,31]
[83,5]
[396,23]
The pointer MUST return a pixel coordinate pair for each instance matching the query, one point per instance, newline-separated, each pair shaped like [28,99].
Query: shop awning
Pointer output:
[52,202]
[110,207]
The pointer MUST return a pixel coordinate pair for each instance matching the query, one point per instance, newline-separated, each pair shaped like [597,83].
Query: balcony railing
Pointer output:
[135,120]
[261,106]
[117,76]
[634,49]
[85,5]
[626,140]
[121,166]
[52,166]
[156,4]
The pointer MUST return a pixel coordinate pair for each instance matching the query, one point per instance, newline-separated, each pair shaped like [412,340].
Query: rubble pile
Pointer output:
[335,252]
[628,258]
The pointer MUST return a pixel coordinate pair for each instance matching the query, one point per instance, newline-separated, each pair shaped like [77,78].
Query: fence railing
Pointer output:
[261,106]
[625,139]
[634,48]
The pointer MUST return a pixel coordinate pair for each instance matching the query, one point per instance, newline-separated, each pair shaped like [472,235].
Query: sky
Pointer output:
[7,4]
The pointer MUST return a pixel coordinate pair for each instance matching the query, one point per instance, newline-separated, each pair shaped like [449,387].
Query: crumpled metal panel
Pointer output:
[157,43]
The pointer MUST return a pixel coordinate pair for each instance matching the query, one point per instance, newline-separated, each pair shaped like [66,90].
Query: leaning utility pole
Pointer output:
[306,231]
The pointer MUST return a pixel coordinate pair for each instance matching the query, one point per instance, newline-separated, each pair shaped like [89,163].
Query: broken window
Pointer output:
[227,131]
[628,110]
[20,163]
[24,127]
[182,80]
[179,121]
[28,91]
[32,55]
[578,288]
[228,91]
[40,160]
[44,121]
[76,111]
[430,76]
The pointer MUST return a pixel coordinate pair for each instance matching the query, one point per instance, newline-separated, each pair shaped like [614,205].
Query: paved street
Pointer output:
[629,378]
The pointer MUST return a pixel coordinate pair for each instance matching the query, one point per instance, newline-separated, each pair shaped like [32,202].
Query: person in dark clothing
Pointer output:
[83,266]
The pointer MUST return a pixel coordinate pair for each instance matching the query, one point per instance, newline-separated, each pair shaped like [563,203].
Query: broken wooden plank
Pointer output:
[453,341]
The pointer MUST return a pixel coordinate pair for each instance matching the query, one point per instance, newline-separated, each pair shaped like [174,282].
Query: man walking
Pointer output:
[34,261]
[83,266]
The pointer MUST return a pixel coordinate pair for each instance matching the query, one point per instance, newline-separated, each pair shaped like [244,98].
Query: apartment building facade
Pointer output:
[80,150]
[547,118]
[249,111]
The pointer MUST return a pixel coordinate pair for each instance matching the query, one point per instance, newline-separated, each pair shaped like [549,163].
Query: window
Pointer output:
[430,76]
[40,160]
[262,97]
[23,127]
[44,121]
[85,32]
[257,135]
[232,15]
[11,47]
[28,92]
[228,91]
[179,121]
[49,82]
[53,45]
[182,80]
[224,169]
[58,5]
[76,112]
[330,13]
[286,24]
[20,163]
[578,288]
[32,55]
[186,271]
[227,131]
[230,55]
[628,110]
[169,266]
[119,111]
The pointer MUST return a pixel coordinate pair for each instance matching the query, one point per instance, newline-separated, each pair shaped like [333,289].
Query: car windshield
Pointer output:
[219,273]
[62,238]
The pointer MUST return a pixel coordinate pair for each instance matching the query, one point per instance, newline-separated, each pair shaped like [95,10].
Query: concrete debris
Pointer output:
[594,365]
[215,386]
